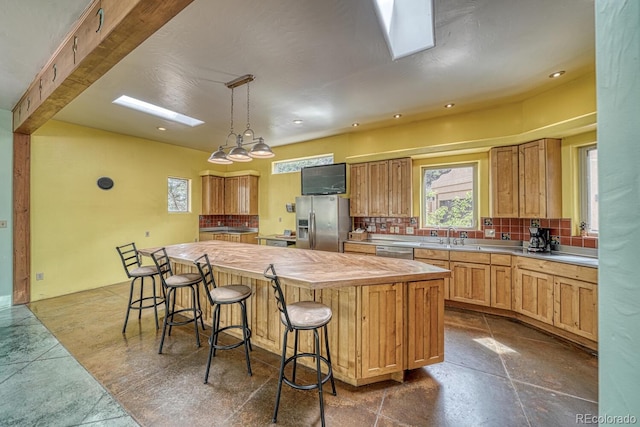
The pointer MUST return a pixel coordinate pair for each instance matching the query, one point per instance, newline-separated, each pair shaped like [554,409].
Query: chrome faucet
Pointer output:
[449,235]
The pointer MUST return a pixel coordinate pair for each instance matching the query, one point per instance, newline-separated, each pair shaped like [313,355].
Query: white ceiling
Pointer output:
[324,62]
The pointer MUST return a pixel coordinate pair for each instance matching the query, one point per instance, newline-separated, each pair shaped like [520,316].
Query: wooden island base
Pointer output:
[388,314]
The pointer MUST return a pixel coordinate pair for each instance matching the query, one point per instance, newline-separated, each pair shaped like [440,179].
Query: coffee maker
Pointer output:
[540,239]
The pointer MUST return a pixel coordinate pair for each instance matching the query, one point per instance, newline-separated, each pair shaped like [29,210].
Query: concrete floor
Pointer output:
[496,373]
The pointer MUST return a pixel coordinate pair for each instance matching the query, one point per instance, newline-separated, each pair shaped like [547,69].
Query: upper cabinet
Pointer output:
[381,189]
[526,180]
[234,195]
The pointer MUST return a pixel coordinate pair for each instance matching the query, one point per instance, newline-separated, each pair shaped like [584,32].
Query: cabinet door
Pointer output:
[359,189]
[540,179]
[382,331]
[247,195]
[212,195]
[442,264]
[203,237]
[425,317]
[221,236]
[501,287]
[533,295]
[231,186]
[379,188]
[575,307]
[233,238]
[358,248]
[504,182]
[249,238]
[400,188]
[470,283]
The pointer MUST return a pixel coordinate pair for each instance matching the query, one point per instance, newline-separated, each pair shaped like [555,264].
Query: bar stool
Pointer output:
[171,283]
[219,296]
[135,270]
[301,316]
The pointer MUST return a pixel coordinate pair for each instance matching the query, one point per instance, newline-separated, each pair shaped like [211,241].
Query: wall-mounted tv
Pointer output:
[324,179]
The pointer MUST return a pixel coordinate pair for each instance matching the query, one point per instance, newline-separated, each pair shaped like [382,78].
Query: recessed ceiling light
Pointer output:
[556,74]
[355,125]
[145,107]
[449,105]
[297,121]
[160,128]
[397,116]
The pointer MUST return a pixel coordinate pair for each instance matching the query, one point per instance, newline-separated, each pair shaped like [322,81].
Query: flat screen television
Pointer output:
[324,179]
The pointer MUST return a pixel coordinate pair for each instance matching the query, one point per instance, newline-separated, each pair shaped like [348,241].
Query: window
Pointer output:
[294,165]
[449,196]
[178,195]
[589,188]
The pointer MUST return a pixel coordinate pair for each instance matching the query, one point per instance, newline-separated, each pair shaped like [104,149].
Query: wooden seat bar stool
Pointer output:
[171,283]
[219,296]
[135,270]
[296,317]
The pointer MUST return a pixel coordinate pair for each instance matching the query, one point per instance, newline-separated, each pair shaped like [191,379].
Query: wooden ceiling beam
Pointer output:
[106,32]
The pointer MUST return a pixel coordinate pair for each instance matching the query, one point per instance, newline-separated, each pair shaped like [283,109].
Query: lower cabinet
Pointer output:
[436,257]
[533,294]
[470,278]
[358,248]
[576,307]
[230,237]
[425,311]
[501,281]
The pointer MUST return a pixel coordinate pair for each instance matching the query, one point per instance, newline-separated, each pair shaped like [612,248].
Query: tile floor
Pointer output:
[496,373]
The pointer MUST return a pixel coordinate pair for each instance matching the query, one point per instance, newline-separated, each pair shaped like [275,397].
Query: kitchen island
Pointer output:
[388,314]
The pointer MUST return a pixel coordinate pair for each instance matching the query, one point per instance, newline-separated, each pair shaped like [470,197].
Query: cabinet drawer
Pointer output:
[359,248]
[470,257]
[430,254]
[500,259]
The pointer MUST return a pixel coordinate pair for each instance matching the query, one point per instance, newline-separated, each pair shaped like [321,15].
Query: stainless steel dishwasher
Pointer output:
[394,252]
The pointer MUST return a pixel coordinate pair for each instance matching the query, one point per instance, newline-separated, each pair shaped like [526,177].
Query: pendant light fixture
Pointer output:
[238,153]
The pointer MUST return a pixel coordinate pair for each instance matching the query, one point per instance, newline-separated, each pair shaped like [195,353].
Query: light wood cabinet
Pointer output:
[501,281]
[533,294]
[540,179]
[230,237]
[358,248]
[241,195]
[425,311]
[359,189]
[575,307]
[435,257]
[212,195]
[382,329]
[504,182]
[399,181]
[381,189]
[470,278]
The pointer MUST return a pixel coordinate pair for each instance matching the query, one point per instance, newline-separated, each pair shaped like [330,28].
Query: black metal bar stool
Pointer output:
[135,270]
[301,316]
[171,283]
[219,296]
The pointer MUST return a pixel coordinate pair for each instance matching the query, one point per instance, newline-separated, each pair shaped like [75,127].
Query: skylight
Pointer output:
[145,107]
[407,25]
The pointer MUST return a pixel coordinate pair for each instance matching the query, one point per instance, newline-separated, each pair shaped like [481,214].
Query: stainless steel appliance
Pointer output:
[322,222]
[540,239]
[394,252]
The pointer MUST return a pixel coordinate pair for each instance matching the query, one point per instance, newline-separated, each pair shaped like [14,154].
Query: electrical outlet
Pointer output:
[409,230]
[146,234]
[3,224]
[489,232]
[39,276]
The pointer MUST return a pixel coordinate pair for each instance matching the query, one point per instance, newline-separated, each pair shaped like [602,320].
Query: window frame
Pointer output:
[189,196]
[584,184]
[301,159]
[475,193]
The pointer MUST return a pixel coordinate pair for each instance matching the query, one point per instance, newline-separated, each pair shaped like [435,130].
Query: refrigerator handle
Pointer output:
[312,230]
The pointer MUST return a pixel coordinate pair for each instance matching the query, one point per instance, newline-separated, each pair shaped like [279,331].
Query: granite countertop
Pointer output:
[302,267]
[565,253]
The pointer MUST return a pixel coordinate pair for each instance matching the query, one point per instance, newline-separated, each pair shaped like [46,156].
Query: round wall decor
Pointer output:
[105,183]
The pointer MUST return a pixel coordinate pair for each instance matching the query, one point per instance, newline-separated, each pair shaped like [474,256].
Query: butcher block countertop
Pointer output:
[302,267]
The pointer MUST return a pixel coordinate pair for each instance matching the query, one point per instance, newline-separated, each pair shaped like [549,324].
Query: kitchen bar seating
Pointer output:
[219,296]
[135,270]
[171,283]
[296,317]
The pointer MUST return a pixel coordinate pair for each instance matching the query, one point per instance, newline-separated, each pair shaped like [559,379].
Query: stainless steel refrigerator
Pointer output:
[322,222]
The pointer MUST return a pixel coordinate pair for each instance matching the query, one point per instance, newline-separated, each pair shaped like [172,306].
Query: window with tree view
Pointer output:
[449,196]
[589,184]
[178,199]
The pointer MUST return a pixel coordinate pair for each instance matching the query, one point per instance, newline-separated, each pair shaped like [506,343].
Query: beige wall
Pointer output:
[76,226]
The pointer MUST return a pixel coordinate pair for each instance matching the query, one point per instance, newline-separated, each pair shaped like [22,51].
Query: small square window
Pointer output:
[179,195]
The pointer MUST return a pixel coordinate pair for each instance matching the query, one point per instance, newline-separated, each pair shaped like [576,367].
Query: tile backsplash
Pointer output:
[251,221]
[505,229]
